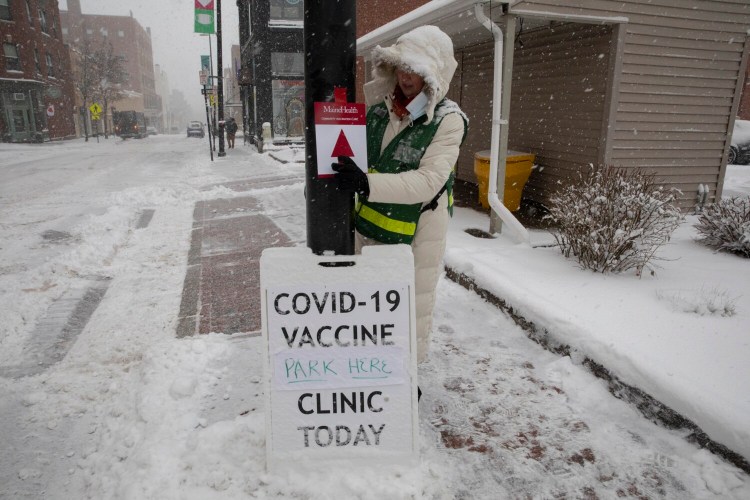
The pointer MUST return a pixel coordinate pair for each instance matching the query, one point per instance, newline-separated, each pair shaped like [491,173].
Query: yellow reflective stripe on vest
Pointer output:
[391,225]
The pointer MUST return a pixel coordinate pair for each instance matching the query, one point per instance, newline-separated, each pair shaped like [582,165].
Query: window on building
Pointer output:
[37,66]
[5,10]
[64,30]
[89,31]
[104,32]
[28,14]
[121,34]
[287,10]
[43,20]
[12,61]
[54,27]
[50,66]
[287,64]
[288,107]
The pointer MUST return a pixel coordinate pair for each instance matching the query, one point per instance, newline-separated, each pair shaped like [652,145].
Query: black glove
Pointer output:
[350,177]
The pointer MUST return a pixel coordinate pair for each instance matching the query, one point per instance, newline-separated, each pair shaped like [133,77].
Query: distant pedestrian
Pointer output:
[231,128]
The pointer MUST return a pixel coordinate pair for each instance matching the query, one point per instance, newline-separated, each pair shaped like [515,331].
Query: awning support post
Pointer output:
[499,139]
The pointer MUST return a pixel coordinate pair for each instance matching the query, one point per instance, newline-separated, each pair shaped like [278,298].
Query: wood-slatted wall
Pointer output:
[558,101]
[678,87]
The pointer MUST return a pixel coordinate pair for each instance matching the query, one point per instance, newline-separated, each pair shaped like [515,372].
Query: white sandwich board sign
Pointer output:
[340,356]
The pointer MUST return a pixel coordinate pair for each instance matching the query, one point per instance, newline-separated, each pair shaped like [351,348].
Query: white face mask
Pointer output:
[418,106]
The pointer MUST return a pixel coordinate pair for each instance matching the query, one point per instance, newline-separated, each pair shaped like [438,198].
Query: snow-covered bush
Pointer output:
[726,225]
[614,220]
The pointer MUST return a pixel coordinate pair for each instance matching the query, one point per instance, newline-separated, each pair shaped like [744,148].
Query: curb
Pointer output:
[650,407]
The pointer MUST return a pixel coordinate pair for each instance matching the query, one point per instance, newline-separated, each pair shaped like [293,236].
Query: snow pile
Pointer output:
[741,133]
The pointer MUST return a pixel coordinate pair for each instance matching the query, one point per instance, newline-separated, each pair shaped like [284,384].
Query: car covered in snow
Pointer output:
[195,129]
[739,154]
[739,150]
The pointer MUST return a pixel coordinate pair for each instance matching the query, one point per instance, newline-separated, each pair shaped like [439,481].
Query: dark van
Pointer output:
[129,124]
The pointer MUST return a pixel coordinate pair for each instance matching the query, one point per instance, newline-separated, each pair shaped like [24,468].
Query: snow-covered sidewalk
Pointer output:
[682,335]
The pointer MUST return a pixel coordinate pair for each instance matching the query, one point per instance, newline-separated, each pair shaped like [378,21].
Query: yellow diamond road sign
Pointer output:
[95,109]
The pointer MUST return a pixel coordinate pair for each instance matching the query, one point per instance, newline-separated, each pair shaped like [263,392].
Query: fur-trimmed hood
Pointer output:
[426,51]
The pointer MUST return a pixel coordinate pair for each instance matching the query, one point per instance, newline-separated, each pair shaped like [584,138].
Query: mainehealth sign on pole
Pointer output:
[340,357]
[340,130]
[204,16]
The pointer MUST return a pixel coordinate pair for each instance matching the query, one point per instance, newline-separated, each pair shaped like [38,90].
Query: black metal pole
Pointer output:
[220,75]
[208,122]
[330,54]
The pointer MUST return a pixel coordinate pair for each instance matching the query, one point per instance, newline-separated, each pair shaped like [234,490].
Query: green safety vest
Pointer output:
[395,222]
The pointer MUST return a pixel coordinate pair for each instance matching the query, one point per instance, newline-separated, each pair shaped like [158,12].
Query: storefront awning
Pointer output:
[454,17]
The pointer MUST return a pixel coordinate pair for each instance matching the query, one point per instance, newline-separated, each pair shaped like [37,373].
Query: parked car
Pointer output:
[151,130]
[739,150]
[739,154]
[195,129]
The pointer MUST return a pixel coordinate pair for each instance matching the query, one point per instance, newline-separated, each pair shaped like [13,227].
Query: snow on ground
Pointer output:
[741,133]
[737,181]
[131,412]
[681,335]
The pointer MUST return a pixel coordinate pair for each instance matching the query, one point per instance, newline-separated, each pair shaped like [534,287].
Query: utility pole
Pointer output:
[220,79]
[330,54]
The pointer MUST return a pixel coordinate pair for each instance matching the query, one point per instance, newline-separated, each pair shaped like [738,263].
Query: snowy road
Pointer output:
[98,399]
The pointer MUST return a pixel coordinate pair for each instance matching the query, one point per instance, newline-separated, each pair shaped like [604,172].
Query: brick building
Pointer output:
[36,87]
[129,40]
[272,69]
[273,74]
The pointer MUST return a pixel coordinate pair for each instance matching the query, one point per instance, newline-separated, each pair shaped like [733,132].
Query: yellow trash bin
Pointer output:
[517,171]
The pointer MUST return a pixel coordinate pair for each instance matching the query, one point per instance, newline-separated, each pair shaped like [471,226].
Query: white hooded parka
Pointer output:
[428,52]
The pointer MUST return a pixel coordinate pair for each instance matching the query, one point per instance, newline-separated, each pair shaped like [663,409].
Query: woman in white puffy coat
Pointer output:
[410,81]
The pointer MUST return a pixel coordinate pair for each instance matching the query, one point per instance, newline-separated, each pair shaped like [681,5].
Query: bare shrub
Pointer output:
[614,220]
[725,225]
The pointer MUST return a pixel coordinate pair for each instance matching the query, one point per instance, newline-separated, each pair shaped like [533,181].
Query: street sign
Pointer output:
[51,110]
[95,109]
[340,356]
[203,76]
[340,130]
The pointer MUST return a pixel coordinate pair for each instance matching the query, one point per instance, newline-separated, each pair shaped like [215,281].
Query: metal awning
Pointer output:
[454,17]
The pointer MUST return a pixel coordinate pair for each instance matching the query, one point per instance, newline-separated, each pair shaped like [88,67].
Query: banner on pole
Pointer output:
[204,16]
[206,68]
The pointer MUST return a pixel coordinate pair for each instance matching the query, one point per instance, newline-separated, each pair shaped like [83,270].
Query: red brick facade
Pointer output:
[37,95]
[130,40]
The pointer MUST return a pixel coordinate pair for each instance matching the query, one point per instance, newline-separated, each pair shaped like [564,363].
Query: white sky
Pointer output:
[177,49]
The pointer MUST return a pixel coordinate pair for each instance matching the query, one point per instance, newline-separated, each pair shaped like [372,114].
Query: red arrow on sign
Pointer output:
[342,147]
